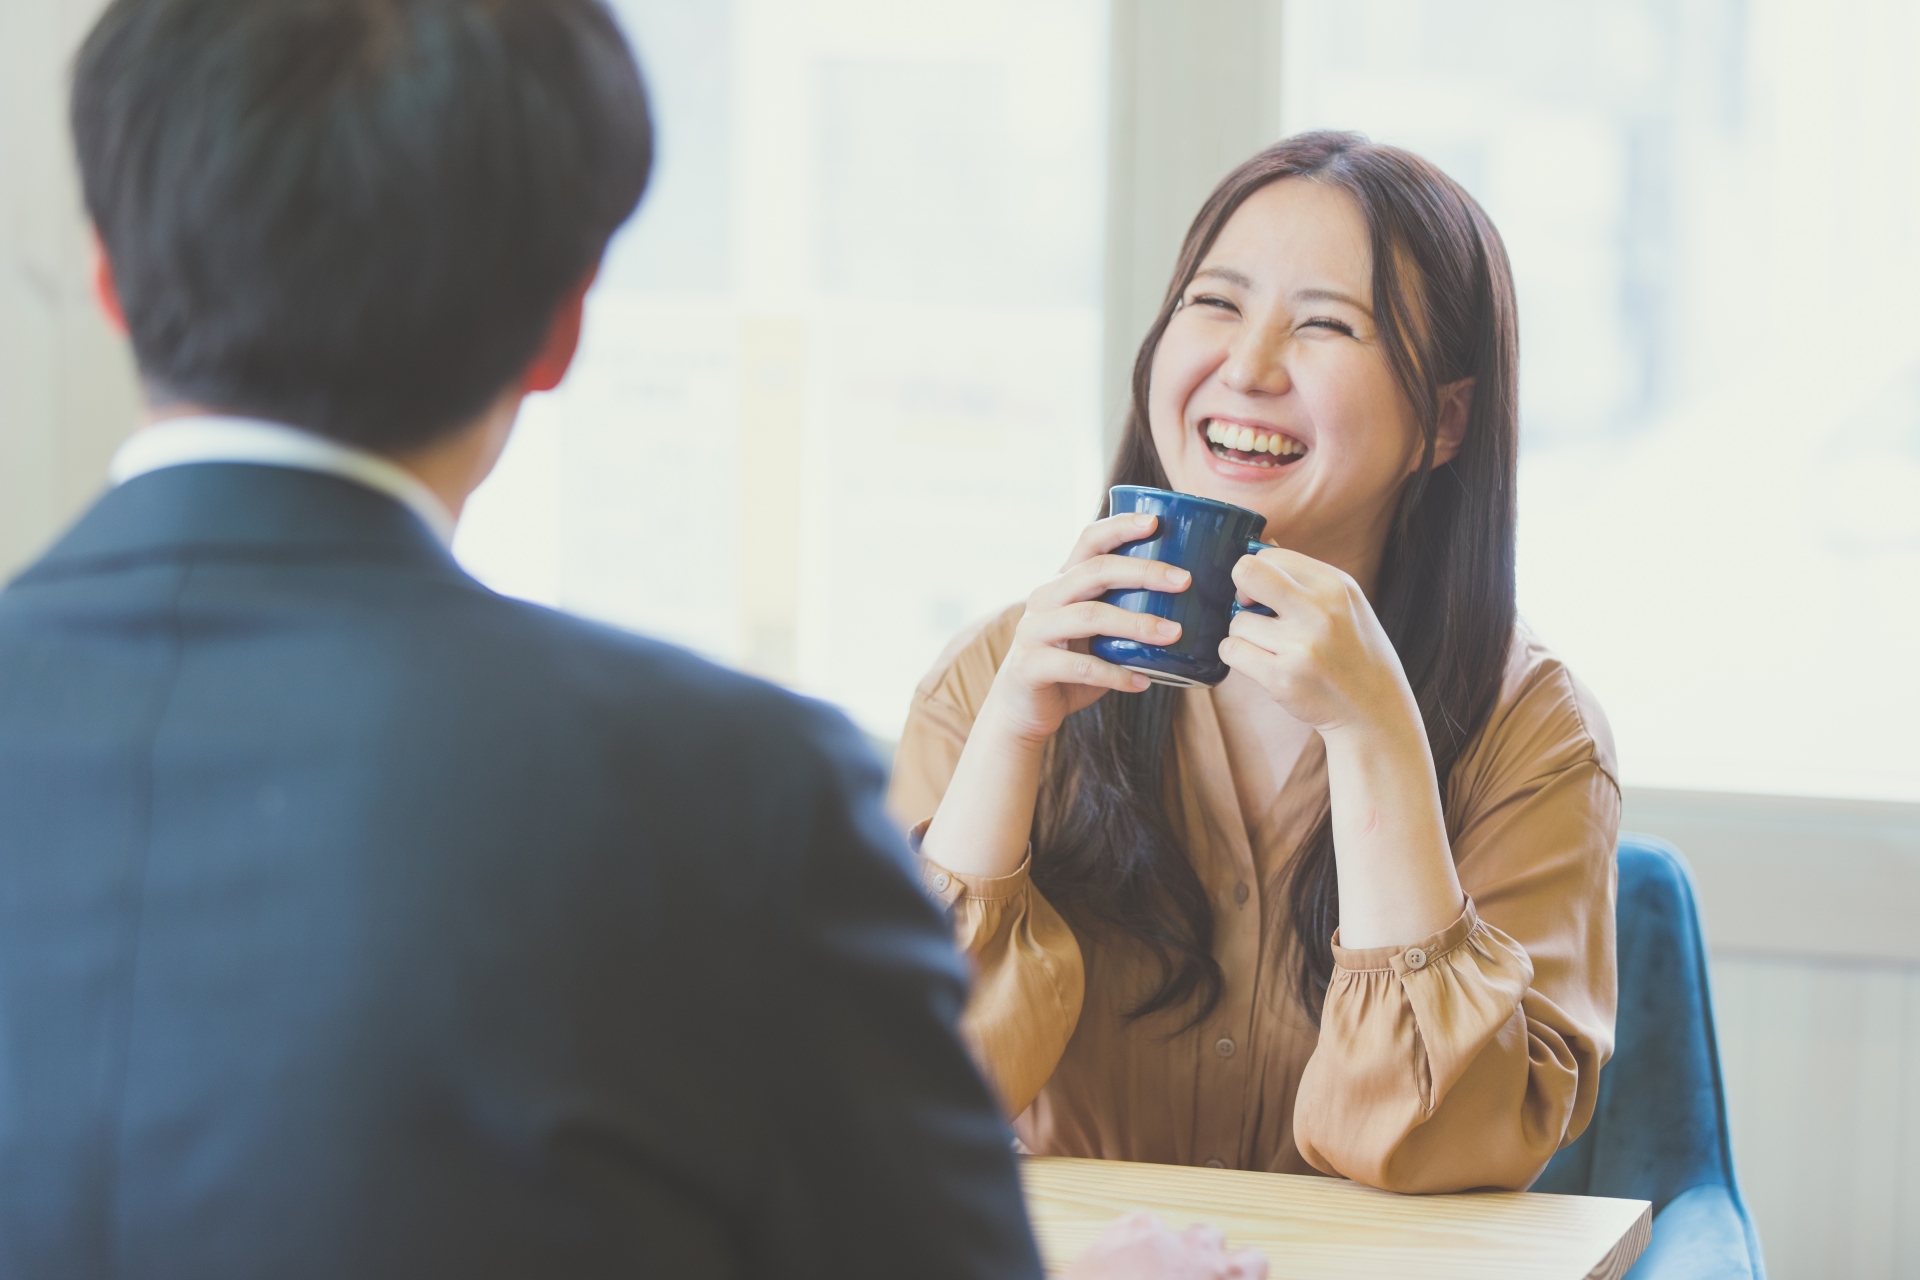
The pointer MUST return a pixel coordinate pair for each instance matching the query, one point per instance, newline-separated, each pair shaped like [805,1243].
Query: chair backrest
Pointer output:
[1660,1126]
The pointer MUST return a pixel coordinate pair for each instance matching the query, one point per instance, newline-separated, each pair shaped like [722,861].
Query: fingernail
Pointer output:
[1178,577]
[1140,682]
[1166,628]
[1138,518]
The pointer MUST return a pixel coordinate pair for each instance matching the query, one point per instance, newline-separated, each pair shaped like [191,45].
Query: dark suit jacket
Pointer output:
[357,922]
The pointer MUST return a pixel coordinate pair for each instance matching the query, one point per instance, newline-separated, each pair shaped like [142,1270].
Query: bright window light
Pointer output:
[839,389]
[1713,212]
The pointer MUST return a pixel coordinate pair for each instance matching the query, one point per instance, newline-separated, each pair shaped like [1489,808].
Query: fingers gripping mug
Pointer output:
[1206,538]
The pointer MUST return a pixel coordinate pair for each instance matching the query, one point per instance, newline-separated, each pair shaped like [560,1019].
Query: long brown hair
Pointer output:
[1108,847]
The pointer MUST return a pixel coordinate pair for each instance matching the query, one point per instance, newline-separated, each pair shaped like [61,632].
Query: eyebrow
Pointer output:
[1243,281]
[1226,273]
[1333,295]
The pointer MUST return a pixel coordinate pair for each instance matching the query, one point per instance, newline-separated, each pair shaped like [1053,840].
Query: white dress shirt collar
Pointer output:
[177,442]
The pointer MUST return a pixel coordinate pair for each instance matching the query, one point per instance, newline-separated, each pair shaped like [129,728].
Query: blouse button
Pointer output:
[941,882]
[1224,1047]
[1416,958]
[1216,1163]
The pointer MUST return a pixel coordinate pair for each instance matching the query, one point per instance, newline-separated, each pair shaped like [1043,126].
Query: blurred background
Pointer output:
[851,377]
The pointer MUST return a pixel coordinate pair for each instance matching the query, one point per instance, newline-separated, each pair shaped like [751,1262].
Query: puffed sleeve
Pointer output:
[1028,976]
[1467,1058]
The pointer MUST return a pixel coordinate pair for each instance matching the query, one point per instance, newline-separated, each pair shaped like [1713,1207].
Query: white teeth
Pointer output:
[1246,440]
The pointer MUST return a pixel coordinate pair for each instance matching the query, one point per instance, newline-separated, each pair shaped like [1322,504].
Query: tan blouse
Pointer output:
[1461,1060]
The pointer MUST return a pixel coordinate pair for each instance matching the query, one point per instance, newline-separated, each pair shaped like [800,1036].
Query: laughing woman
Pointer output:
[1351,910]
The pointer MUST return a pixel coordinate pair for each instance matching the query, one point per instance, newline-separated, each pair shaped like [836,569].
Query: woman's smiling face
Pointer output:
[1270,389]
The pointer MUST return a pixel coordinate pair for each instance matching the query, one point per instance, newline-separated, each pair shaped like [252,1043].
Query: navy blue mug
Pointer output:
[1206,538]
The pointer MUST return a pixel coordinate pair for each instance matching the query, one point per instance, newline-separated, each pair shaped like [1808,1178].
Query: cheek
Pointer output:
[1180,365]
[1359,413]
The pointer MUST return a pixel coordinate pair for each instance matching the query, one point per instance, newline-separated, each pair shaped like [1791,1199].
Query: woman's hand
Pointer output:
[1049,673]
[1325,657]
[1327,661]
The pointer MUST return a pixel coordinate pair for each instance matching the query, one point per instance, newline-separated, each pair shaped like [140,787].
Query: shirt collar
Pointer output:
[177,442]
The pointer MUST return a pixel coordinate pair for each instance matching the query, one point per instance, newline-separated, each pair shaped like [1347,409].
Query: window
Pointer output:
[1713,212]
[838,392]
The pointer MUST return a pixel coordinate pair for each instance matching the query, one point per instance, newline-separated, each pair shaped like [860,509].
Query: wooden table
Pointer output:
[1321,1228]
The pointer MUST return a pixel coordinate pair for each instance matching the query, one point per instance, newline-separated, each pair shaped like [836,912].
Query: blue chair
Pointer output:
[1659,1131]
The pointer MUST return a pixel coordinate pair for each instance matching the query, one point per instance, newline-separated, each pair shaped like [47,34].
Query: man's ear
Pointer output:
[555,356]
[105,292]
[1456,401]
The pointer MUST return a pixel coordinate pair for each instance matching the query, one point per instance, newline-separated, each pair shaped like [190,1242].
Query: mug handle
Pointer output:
[1254,548]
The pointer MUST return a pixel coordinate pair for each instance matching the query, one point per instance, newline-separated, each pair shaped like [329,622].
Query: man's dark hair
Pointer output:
[354,216]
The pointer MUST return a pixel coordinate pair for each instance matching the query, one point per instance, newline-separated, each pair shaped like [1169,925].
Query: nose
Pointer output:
[1256,363]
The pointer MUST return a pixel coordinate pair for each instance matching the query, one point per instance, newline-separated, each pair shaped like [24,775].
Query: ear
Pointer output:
[105,292]
[555,356]
[1456,401]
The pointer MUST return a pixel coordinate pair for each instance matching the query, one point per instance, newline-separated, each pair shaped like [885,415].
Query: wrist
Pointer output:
[1392,724]
[1007,730]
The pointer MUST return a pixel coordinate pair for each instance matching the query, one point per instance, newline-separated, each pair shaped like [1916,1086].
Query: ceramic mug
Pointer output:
[1206,538]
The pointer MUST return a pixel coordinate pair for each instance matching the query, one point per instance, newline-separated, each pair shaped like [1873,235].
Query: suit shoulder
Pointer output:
[670,693]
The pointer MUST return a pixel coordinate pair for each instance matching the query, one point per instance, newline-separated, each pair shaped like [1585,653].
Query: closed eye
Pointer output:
[1328,322]
[1212,300]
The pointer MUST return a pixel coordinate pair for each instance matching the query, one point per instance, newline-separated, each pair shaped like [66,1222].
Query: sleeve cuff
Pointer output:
[1407,959]
[948,887]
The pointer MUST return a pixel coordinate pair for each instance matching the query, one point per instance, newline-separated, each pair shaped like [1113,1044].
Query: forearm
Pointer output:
[982,826]
[1393,861]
